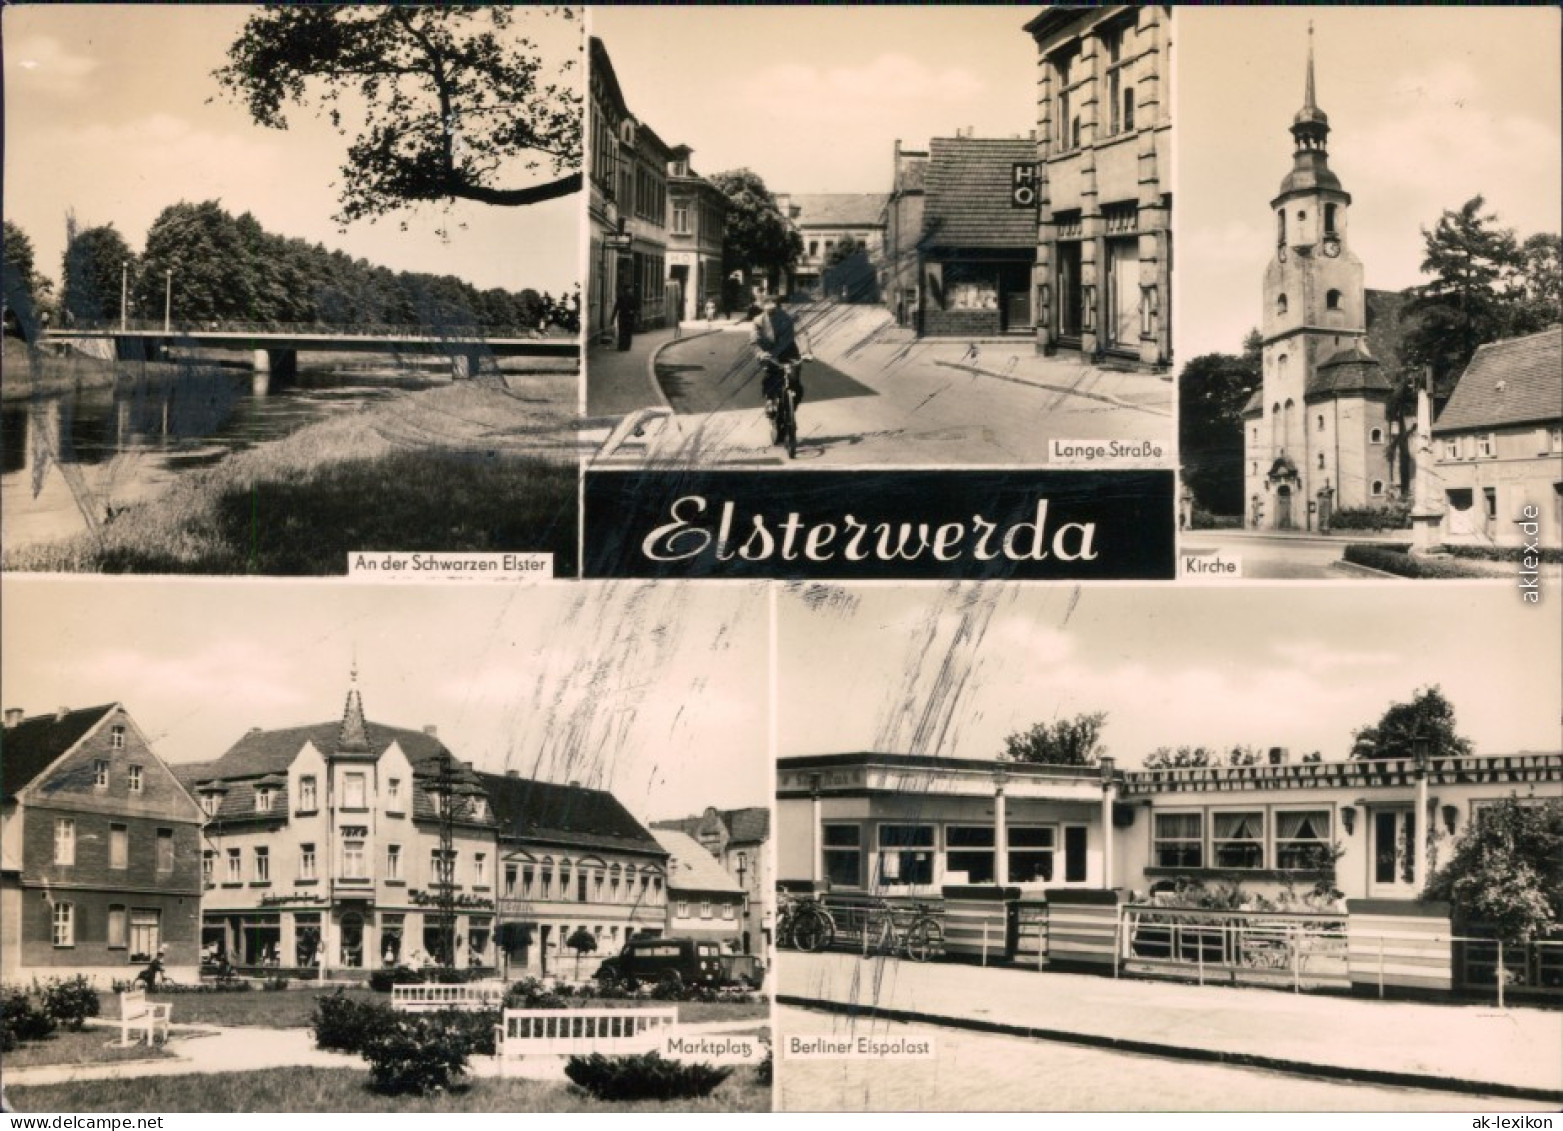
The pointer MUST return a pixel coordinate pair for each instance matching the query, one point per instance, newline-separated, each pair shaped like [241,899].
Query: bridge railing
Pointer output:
[450,331]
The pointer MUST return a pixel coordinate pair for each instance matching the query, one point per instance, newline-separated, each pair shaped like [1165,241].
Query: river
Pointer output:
[98,450]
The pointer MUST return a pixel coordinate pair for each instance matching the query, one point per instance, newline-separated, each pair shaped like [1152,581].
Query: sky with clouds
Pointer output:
[1428,107]
[813,99]
[111,110]
[952,670]
[657,692]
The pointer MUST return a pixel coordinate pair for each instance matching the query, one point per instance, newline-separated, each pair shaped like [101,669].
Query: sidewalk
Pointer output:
[211,1048]
[1462,1048]
[619,382]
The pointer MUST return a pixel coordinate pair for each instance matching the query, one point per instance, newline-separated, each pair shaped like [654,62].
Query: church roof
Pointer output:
[1350,372]
[1516,381]
[1255,404]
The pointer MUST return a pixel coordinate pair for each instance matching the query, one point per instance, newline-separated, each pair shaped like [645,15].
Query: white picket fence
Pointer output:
[580,1032]
[428,997]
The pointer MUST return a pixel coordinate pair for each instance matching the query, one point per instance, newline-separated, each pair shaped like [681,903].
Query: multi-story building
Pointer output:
[1498,445]
[739,840]
[697,222]
[99,850]
[627,170]
[704,902]
[1316,433]
[572,859]
[1103,182]
[825,220]
[903,233]
[328,847]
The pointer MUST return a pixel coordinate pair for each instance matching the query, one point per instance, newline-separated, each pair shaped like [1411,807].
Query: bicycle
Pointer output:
[784,417]
[919,936]
[804,924]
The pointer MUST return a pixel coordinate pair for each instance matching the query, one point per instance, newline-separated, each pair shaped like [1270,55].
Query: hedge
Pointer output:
[1396,560]
[1550,554]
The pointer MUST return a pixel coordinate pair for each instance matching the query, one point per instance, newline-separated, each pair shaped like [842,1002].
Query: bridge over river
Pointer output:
[275,347]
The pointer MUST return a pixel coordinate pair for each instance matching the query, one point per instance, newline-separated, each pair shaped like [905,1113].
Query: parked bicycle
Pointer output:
[913,931]
[804,923]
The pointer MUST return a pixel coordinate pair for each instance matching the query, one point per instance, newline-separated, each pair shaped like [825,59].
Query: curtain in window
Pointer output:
[1301,826]
[1177,826]
[1239,826]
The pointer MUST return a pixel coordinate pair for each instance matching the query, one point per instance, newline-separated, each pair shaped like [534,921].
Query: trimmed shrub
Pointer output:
[382,980]
[220,986]
[1396,560]
[765,1071]
[1395,517]
[345,1024]
[644,1077]
[20,1021]
[275,984]
[1549,554]
[1204,520]
[70,1001]
[534,993]
[474,1026]
[416,1056]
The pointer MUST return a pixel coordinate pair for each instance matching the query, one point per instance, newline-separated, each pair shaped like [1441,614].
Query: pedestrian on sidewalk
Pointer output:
[626,312]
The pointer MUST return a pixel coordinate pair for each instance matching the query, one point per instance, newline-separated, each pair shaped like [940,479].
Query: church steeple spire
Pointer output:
[353,738]
[1311,126]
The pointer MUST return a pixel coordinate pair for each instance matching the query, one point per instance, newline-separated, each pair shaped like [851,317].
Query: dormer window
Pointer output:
[210,803]
[479,809]
[264,795]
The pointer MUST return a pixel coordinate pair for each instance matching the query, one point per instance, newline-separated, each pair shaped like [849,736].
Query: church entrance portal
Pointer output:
[1283,508]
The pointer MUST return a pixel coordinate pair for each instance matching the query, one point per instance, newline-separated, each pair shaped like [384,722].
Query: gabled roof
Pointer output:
[32,745]
[1517,381]
[967,202]
[744,826]
[837,209]
[528,810]
[691,868]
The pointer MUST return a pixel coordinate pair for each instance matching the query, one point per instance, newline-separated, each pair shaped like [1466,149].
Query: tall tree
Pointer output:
[450,100]
[1212,390]
[758,236]
[1065,742]
[94,260]
[1428,715]
[1478,292]
[216,264]
[20,281]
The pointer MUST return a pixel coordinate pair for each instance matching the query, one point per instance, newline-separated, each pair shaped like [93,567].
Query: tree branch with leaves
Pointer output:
[446,102]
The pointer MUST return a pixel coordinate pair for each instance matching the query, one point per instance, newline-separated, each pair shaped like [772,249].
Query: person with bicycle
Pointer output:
[775,336]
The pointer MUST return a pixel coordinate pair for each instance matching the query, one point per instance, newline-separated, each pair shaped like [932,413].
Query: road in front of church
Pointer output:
[988,1072]
[1264,556]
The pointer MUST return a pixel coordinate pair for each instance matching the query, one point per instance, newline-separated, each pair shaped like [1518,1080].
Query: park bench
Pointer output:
[429,997]
[137,1013]
[581,1032]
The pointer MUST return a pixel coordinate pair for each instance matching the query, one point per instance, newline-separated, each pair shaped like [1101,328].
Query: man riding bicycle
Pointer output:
[775,337]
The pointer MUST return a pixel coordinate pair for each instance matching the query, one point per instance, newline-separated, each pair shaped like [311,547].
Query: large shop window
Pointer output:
[1302,840]
[905,855]
[352,940]
[969,854]
[391,928]
[971,286]
[1179,840]
[1031,853]
[306,939]
[843,855]
[1237,840]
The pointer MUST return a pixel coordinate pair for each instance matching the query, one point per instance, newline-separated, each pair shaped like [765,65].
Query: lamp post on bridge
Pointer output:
[124,295]
[168,301]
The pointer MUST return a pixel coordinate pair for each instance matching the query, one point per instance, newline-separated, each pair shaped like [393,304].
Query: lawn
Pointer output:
[90,1046]
[475,466]
[346,1090]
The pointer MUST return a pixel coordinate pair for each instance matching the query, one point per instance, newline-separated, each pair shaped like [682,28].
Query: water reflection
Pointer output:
[68,460]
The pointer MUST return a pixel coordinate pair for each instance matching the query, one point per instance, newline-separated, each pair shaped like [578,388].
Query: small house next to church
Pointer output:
[1498,444]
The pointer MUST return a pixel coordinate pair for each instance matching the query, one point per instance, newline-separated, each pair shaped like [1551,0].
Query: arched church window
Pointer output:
[1280,304]
[1375,435]
[1319,426]
[1321,461]
[1329,219]
[1332,300]
[1301,215]
[1280,225]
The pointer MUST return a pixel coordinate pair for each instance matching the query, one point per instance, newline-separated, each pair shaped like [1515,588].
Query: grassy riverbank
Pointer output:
[476,466]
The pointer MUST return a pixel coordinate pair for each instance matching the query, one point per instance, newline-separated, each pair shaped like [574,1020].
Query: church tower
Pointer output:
[1315,432]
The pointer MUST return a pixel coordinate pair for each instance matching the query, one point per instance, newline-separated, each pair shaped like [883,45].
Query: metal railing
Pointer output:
[1238,946]
[418,331]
